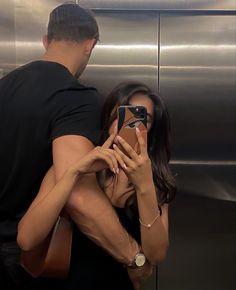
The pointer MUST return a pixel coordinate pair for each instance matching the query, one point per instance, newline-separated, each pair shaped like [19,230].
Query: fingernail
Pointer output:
[119,138]
[137,129]
[113,169]
[117,170]
[114,146]
[125,166]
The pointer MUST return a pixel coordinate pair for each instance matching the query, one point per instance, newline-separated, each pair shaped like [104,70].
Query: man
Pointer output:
[47,117]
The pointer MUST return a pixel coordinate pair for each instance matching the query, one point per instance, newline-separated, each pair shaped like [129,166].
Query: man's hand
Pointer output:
[139,275]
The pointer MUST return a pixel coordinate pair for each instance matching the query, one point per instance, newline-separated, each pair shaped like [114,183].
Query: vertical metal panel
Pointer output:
[127,50]
[7,37]
[198,81]
[198,77]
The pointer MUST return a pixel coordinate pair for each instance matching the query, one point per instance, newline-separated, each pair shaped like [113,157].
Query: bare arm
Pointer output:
[88,205]
[52,197]
[154,239]
[46,207]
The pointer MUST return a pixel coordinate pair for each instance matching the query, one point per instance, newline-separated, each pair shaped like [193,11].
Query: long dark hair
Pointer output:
[158,135]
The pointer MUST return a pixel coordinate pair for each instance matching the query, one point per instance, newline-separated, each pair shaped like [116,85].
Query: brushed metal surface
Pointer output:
[127,50]
[202,245]
[161,4]
[198,82]
[7,37]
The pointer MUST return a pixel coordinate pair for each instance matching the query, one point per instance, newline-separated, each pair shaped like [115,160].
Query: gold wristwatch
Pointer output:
[138,261]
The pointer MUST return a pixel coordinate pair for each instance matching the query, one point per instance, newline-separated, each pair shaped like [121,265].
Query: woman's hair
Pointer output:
[158,135]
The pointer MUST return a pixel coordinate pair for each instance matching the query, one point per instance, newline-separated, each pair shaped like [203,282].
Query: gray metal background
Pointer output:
[186,50]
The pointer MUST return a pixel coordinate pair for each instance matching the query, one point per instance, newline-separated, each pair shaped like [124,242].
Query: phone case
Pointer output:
[130,117]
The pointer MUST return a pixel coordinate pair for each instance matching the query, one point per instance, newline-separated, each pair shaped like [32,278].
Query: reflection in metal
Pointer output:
[7,37]
[208,163]
[199,47]
[127,47]
[127,51]
[160,4]
[197,78]
[208,180]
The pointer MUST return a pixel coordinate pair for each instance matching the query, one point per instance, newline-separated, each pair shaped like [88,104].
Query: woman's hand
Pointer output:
[99,158]
[136,166]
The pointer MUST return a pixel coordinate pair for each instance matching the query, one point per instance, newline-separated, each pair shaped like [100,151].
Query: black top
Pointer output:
[38,102]
[92,268]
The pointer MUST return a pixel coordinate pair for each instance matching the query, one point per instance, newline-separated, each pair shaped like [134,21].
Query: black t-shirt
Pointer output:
[93,268]
[38,102]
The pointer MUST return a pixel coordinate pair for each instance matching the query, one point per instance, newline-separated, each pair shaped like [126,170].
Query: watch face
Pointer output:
[140,260]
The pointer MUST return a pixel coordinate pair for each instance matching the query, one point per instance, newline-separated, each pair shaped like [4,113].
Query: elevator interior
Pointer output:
[187,51]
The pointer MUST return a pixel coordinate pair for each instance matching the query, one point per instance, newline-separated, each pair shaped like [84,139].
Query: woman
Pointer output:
[139,186]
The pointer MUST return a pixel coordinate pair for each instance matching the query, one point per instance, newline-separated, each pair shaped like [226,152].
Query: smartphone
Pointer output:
[129,118]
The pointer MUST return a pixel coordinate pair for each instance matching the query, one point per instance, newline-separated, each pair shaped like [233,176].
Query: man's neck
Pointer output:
[64,55]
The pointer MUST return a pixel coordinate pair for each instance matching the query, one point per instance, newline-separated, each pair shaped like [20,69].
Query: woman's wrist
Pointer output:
[145,187]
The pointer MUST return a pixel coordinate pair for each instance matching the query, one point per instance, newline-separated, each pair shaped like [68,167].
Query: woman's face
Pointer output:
[138,99]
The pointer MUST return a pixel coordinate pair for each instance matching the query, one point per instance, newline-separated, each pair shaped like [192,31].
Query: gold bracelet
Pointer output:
[149,225]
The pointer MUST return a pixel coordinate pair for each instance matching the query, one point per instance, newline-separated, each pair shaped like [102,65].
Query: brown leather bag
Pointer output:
[52,257]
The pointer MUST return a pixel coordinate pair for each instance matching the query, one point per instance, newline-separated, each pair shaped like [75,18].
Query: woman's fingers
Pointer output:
[111,154]
[141,141]
[107,144]
[108,158]
[131,152]
[120,161]
[126,161]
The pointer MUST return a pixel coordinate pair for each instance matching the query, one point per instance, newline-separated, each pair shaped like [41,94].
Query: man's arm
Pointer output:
[88,205]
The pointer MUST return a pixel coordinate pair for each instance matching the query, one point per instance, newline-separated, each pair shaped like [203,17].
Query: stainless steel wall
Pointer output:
[160,5]
[198,80]
[127,49]
[197,77]
[7,37]
[184,49]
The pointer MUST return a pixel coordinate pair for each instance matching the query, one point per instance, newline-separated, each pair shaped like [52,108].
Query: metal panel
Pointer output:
[202,249]
[160,4]
[7,37]
[31,19]
[127,50]
[198,81]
